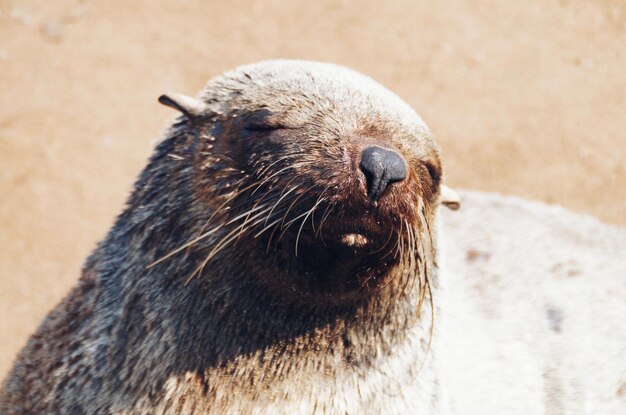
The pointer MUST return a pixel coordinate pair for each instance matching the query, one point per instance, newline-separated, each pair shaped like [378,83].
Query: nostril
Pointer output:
[381,167]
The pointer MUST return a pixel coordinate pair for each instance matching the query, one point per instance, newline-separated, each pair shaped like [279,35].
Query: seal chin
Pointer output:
[343,264]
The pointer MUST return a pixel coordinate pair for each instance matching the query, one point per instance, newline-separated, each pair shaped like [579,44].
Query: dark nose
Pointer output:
[381,167]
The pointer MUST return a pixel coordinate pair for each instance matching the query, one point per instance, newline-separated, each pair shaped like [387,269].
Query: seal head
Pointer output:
[323,175]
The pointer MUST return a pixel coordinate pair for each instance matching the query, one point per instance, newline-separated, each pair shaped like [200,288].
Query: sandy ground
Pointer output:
[526,98]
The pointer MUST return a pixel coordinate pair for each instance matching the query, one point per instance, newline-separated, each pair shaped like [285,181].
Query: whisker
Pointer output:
[318,199]
[286,226]
[224,242]
[422,288]
[431,329]
[285,157]
[267,227]
[276,173]
[324,217]
[303,222]
[244,214]
[269,240]
[201,236]
[192,242]
[384,246]
[408,258]
[282,197]
[242,226]
[292,205]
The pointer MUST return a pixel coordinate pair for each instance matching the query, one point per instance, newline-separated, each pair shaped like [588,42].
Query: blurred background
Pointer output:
[526,98]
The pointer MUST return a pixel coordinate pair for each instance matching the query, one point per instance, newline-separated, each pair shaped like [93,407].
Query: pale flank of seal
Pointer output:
[533,300]
[278,256]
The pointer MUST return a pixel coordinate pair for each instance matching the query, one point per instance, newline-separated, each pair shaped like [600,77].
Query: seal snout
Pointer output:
[381,168]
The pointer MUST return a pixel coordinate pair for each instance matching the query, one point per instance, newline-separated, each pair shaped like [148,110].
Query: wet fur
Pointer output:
[215,291]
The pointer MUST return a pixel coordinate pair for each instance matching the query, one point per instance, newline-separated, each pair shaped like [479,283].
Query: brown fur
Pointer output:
[224,285]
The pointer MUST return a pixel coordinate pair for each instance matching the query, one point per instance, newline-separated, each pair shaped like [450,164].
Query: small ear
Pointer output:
[190,107]
[449,198]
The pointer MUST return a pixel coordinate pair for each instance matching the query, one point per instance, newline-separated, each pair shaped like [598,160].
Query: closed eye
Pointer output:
[263,121]
[264,127]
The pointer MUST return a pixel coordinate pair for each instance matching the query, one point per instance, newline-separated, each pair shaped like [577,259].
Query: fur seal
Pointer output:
[276,255]
[279,255]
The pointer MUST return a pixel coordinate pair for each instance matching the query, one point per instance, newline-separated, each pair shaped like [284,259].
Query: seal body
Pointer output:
[532,302]
[279,254]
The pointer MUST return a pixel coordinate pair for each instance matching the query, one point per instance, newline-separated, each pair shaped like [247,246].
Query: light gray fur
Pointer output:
[533,305]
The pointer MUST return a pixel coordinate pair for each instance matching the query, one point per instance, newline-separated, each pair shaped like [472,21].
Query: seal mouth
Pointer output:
[355,240]
[340,268]
[348,257]
[369,233]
